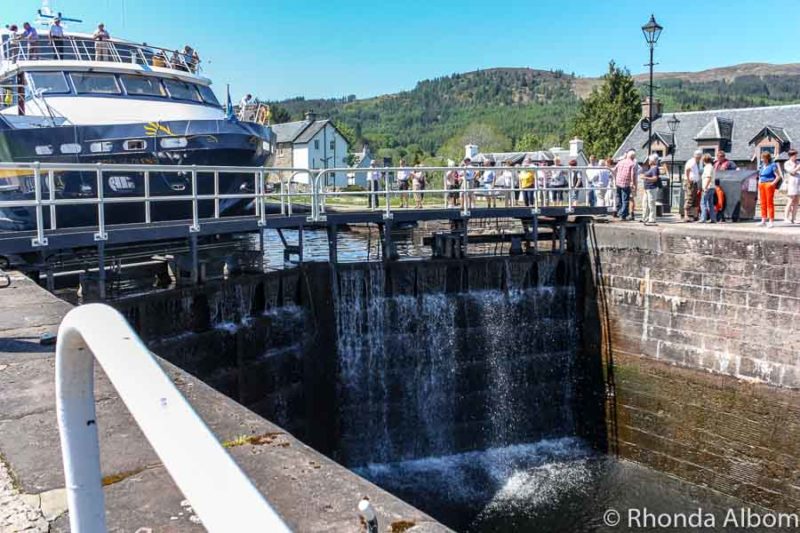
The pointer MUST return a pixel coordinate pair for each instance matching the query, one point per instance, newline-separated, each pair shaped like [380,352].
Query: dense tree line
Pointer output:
[522,108]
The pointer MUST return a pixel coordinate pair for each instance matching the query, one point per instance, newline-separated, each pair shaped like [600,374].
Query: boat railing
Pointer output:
[73,48]
[444,188]
[221,495]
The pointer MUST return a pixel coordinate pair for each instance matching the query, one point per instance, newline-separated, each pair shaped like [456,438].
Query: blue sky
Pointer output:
[279,49]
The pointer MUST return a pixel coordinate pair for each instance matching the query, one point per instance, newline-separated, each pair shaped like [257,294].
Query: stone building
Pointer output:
[742,133]
[313,144]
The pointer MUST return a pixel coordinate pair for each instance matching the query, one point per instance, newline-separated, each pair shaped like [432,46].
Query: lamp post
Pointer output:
[673,123]
[652,31]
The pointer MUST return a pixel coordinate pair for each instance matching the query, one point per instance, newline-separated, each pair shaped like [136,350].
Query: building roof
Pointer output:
[739,126]
[289,131]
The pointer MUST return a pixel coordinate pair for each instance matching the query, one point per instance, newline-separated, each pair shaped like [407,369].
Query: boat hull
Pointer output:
[210,143]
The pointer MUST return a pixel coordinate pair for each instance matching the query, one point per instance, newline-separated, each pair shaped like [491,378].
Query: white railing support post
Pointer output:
[101,234]
[195,227]
[221,495]
[40,239]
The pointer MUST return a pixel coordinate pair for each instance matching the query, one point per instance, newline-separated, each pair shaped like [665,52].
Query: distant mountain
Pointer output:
[434,116]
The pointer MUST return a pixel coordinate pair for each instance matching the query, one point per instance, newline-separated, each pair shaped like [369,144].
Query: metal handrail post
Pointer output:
[464,195]
[219,492]
[256,204]
[101,234]
[40,239]
[216,194]
[147,216]
[261,199]
[195,227]
[387,185]
[282,195]
[51,186]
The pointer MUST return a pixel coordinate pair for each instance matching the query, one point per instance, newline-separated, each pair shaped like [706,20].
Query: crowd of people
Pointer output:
[30,45]
[602,183]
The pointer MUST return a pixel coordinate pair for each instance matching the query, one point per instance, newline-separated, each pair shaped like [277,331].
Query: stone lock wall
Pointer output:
[702,351]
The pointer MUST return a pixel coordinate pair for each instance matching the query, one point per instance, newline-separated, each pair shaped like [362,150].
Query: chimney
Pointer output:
[470,151]
[646,108]
[575,147]
[311,116]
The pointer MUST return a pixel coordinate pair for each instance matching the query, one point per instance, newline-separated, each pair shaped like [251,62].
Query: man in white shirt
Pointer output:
[374,184]
[243,103]
[57,38]
[692,172]
[403,176]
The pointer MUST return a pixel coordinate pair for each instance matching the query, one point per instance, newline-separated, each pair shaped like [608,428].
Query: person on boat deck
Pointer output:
[102,48]
[191,58]
[243,103]
[57,38]
[160,59]
[31,36]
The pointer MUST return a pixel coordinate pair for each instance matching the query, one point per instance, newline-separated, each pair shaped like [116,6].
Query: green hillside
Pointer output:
[495,108]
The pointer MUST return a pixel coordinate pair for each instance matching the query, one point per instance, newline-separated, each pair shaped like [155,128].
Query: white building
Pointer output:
[363,159]
[313,144]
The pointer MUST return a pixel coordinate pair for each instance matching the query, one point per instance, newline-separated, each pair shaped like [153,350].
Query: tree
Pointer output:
[278,115]
[347,132]
[606,117]
[529,142]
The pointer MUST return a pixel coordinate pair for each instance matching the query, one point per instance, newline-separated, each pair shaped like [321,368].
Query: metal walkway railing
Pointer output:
[40,189]
[219,492]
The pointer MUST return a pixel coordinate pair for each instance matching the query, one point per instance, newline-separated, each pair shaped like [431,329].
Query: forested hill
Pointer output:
[495,108]
[500,105]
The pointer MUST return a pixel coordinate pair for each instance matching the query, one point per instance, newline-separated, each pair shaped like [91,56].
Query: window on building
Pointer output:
[182,90]
[94,83]
[332,145]
[768,150]
[48,82]
[142,85]
[710,151]
[316,144]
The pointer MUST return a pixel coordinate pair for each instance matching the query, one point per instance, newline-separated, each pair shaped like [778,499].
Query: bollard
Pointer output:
[368,515]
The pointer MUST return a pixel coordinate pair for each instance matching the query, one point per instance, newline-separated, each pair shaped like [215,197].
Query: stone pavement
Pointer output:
[310,491]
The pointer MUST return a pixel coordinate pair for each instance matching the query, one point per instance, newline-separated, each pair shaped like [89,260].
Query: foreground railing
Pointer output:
[220,494]
[41,189]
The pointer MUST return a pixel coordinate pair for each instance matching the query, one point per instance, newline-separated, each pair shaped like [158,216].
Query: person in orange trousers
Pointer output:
[769,178]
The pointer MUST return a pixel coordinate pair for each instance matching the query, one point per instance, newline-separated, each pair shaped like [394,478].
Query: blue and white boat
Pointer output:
[79,100]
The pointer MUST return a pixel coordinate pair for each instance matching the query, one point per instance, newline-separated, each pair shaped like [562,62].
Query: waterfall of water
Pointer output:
[439,373]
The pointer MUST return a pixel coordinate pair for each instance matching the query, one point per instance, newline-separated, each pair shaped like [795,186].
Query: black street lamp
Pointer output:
[652,31]
[673,123]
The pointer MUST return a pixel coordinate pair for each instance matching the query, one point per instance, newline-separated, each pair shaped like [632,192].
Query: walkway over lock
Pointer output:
[278,198]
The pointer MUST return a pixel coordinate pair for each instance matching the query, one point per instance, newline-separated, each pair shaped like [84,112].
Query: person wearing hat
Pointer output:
[57,38]
[692,171]
[651,182]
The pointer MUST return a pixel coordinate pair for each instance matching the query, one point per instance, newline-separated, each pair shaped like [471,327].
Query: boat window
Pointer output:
[48,82]
[142,85]
[71,148]
[44,149]
[94,83]
[135,144]
[102,146]
[208,95]
[182,90]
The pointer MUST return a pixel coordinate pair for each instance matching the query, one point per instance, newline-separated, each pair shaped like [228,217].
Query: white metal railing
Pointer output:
[73,48]
[40,185]
[220,493]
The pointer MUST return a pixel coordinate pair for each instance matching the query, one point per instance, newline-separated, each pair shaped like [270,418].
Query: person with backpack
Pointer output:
[719,203]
